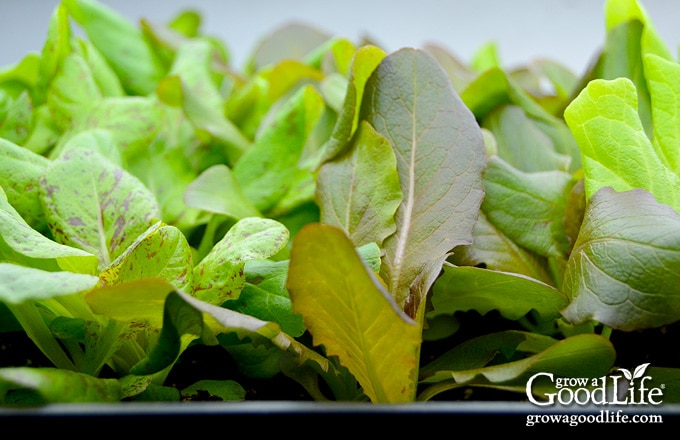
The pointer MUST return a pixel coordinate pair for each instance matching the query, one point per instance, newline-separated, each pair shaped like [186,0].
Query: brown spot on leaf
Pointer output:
[75,221]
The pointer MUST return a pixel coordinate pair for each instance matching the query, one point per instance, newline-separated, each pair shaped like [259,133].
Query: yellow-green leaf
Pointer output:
[347,310]
[615,149]
[160,252]
[138,300]
[663,81]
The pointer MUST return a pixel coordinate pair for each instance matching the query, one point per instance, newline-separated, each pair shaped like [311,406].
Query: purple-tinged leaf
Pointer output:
[20,174]
[440,154]
[94,205]
[220,276]
[21,244]
[162,251]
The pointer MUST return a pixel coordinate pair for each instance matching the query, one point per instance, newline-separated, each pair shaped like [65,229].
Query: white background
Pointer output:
[569,31]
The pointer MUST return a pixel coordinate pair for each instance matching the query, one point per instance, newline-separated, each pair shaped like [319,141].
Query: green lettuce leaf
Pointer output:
[191,85]
[38,386]
[21,284]
[216,190]
[528,207]
[494,250]
[365,60]
[359,192]
[521,142]
[493,89]
[101,140]
[490,361]
[621,270]
[266,170]
[618,12]
[264,296]
[121,43]
[15,116]
[73,92]
[483,290]
[57,45]
[35,297]
[630,37]
[134,121]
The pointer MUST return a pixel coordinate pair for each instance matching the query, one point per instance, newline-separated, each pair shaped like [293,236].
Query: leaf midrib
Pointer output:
[100,223]
[404,231]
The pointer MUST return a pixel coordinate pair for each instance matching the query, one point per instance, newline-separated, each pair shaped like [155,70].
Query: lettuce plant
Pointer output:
[330,214]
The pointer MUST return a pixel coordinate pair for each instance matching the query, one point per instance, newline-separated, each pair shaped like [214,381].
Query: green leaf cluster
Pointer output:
[331,213]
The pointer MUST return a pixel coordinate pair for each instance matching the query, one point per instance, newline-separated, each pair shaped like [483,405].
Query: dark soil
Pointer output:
[657,346]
